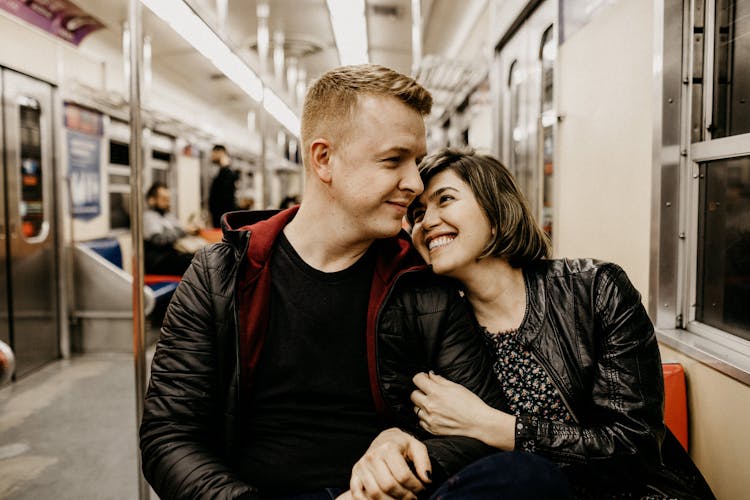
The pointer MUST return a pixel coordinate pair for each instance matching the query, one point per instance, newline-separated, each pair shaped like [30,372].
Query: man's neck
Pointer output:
[321,243]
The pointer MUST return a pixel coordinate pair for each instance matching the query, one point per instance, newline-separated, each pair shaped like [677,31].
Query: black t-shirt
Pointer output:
[310,415]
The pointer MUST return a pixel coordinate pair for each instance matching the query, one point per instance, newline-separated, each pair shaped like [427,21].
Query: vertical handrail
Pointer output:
[135,57]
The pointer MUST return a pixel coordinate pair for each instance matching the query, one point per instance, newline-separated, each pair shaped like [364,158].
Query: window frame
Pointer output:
[673,303]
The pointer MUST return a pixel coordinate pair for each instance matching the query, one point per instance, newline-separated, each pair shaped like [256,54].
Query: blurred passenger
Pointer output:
[289,202]
[161,232]
[575,351]
[288,350]
[221,197]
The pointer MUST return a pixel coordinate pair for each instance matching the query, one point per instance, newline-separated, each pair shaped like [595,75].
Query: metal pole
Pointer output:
[135,57]
[262,11]
[416,36]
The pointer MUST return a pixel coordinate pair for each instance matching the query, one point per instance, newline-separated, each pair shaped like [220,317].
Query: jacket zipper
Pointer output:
[555,384]
[243,252]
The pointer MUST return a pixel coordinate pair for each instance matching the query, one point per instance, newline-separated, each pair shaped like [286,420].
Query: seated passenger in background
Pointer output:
[161,232]
[575,351]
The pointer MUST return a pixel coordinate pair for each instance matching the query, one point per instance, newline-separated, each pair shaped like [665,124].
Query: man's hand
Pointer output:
[384,471]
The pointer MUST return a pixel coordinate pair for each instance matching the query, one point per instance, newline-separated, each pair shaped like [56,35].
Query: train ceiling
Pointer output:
[449,33]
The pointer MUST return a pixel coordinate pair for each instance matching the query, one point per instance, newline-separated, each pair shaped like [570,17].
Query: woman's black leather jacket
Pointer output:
[586,326]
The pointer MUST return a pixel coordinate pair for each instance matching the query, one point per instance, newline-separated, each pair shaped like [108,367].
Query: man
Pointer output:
[222,193]
[288,350]
[161,230]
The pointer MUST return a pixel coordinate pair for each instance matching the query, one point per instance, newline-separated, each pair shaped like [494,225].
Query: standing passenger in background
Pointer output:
[161,230]
[575,351]
[221,196]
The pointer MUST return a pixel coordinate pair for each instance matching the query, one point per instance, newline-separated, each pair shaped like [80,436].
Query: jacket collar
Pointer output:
[393,254]
[535,303]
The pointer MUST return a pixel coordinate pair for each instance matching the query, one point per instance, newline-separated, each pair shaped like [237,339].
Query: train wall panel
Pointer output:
[504,13]
[717,407]
[604,143]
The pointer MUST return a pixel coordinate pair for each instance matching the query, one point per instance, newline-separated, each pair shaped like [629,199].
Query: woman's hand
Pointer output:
[445,408]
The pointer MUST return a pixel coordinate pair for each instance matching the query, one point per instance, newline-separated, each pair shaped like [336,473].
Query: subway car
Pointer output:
[626,124]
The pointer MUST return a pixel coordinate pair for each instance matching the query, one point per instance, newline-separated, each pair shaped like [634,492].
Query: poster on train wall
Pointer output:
[61,18]
[84,130]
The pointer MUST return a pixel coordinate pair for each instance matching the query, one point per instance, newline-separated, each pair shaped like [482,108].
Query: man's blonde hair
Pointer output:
[331,99]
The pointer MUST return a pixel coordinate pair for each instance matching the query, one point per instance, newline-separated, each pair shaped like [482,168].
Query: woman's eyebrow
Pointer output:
[440,191]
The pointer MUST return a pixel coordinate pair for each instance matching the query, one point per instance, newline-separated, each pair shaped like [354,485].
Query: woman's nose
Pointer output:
[430,219]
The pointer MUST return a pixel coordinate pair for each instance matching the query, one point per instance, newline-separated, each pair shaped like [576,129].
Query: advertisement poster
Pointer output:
[61,18]
[84,137]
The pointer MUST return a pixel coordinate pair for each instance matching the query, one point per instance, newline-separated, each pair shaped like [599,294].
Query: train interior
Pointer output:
[625,122]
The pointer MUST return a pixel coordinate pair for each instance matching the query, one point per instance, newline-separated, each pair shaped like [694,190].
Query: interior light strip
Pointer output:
[349,22]
[181,18]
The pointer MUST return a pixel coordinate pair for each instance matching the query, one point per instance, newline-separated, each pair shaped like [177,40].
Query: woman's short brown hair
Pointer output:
[516,235]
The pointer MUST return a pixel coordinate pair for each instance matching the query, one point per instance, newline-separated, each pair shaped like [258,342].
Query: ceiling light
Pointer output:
[196,32]
[281,112]
[349,24]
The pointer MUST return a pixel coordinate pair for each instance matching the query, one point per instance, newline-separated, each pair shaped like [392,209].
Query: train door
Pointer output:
[28,267]
[523,74]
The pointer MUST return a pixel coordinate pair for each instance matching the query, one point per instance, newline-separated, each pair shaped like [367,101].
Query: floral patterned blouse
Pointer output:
[527,387]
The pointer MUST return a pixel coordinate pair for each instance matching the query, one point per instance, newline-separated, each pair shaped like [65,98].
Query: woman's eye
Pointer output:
[445,198]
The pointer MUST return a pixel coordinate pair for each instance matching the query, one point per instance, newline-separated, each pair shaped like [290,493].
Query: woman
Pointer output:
[575,351]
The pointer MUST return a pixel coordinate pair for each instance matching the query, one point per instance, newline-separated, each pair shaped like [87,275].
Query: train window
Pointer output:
[723,281]
[119,210]
[160,166]
[731,77]
[119,196]
[119,153]
[31,201]
[547,55]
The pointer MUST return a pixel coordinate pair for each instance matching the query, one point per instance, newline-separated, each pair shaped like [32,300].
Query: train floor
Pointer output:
[68,431]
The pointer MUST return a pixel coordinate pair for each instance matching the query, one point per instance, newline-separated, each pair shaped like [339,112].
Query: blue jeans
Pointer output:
[506,475]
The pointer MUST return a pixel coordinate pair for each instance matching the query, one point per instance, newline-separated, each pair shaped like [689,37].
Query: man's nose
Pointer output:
[412,181]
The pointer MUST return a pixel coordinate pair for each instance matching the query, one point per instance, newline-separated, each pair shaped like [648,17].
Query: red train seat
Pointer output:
[675,402]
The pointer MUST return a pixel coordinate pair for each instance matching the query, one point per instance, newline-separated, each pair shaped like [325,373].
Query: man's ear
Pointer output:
[320,159]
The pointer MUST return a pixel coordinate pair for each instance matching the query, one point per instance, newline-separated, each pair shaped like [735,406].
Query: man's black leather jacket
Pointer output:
[192,408]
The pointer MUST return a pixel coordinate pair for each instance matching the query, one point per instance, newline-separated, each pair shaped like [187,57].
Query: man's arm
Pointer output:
[182,419]
[461,357]
[430,327]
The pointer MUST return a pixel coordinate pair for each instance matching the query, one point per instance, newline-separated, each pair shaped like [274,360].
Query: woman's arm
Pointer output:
[625,417]
[446,408]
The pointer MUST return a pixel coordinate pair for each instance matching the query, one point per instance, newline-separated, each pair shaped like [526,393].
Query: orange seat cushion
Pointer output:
[150,279]
[675,402]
